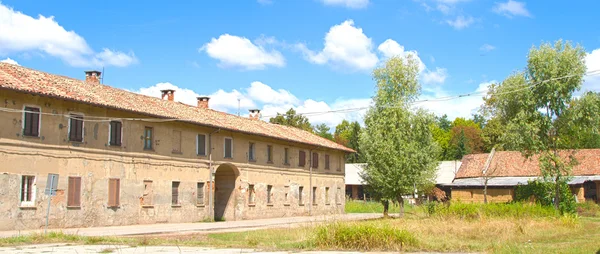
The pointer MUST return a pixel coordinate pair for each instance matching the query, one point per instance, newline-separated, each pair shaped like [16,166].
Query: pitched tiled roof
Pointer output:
[510,163]
[23,79]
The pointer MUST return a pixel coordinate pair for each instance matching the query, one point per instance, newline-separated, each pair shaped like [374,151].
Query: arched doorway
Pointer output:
[226,177]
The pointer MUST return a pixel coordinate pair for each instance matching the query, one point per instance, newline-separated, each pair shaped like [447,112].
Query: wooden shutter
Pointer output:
[201,144]
[74,195]
[315,160]
[115,133]
[326,161]
[32,122]
[76,128]
[114,189]
[301,158]
[175,193]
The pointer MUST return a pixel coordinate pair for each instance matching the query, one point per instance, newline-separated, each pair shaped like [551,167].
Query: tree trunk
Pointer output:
[386,208]
[401,204]
[557,194]
[485,191]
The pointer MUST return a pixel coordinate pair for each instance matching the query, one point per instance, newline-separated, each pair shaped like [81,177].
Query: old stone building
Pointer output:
[124,158]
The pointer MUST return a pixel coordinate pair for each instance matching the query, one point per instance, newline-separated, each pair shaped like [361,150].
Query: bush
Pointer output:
[588,209]
[501,210]
[544,192]
[353,236]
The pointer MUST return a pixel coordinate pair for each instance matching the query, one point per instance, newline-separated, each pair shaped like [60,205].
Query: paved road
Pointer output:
[200,227]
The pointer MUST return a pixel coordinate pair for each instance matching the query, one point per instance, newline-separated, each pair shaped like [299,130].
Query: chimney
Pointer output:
[92,77]
[203,102]
[170,93]
[255,114]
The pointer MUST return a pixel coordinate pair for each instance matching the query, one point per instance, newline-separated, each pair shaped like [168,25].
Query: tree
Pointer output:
[461,147]
[323,131]
[472,135]
[585,114]
[290,118]
[342,133]
[443,122]
[397,143]
[479,120]
[533,104]
[348,134]
[442,138]
[492,134]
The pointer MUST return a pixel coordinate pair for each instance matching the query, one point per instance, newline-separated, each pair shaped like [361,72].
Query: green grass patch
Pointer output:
[359,206]
[588,209]
[478,211]
[362,236]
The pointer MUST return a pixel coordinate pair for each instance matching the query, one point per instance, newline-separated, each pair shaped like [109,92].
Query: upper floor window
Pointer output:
[31,122]
[228,148]
[251,156]
[270,153]
[201,144]
[286,159]
[301,158]
[115,130]
[76,128]
[326,161]
[315,160]
[148,138]
[176,141]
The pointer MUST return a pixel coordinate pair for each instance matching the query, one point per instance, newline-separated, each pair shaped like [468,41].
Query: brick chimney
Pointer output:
[92,77]
[170,93]
[203,101]
[255,114]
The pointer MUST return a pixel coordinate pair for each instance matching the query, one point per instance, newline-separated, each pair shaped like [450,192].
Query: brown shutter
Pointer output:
[301,159]
[117,192]
[114,189]
[327,161]
[35,122]
[70,192]
[118,131]
[77,191]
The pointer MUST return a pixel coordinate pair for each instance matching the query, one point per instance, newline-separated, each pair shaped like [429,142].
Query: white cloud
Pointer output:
[434,77]
[487,47]
[443,8]
[353,4]
[346,46]
[265,94]
[462,107]
[235,51]
[9,61]
[390,48]
[461,22]
[511,9]
[23,33]
[592,62]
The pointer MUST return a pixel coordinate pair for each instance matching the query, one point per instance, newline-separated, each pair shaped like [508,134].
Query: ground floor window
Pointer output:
[27,190]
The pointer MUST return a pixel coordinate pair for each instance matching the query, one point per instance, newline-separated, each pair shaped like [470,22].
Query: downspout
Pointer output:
[211,210]
[310,203]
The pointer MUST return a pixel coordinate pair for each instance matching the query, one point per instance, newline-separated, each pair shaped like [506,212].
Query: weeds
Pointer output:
[478,211]
[362,236]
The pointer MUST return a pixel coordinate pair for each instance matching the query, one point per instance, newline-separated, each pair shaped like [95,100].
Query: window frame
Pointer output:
[198,143]
[203,191]
[251,151]
[179,149]
[150,193]
[340,160]
[314,163]
[269,194]
[117,197]
[110,131]
[301,159]
[314,195]
[270,154]
[300,195]
[225,147]
[286,195]
[24,117]
[327,199]
[327,161]
[71,115]
[146,128]
[251,195]
[69,192]
[286,155]
[32,191]
[175,200]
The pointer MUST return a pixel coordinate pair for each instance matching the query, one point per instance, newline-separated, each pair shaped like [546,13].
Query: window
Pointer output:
[228,153]
[201,144]
[115,130]
[74,192]
[339,165]
[338,196]
[176,141]
[148,193]
[200,194]
[270,153]
[327,195]
[76,128]
[175,193]
[31,122]
[148,138]
[301,159]
[27,190]
[326,161]
[269,194]
[300,190]
[315,160]
[114,189]
[251,152]
[286,159]
[251,194]
[314,195]
[286,199]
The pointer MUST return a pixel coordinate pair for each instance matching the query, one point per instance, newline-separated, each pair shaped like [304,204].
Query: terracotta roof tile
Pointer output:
[23,79]
[511,163]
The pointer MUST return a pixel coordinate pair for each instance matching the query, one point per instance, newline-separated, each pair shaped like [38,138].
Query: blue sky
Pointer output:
[313,55]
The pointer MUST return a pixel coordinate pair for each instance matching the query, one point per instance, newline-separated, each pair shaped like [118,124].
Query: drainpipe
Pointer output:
[310,168]
[211,210]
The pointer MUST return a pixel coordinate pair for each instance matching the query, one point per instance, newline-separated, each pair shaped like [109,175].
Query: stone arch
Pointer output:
[226,181]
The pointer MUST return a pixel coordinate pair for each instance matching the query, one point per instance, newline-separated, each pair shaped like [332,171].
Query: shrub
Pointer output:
[354,236]
[588,209]
[544,192]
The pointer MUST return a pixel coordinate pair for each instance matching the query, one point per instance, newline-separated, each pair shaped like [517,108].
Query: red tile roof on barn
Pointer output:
[27,80]
[510,163]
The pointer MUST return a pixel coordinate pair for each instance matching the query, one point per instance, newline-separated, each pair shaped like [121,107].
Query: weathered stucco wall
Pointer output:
[475,195]
[95,162]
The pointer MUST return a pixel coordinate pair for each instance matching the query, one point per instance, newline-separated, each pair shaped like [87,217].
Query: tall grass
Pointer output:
[359,206]
[499,210]
[362,236]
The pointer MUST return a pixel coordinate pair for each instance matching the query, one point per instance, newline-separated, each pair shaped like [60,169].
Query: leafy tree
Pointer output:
[472,135]
[584,113]
[323,131]
[492,134]
[290,118]
[534,103]
[443,122]
[461,147]
[442,138]
[397,143]
[353,142]
[479,120]
[342,133]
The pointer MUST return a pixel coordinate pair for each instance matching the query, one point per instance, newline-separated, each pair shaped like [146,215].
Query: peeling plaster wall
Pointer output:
[95,161]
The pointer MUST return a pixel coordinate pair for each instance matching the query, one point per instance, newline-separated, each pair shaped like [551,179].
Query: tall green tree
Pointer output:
[534,103]
[342,133]
[323,131]
[397,143]
[585,114]
[290,118]
[443,122]
[470,132]
[462,146]
[353,142]
[442,138]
